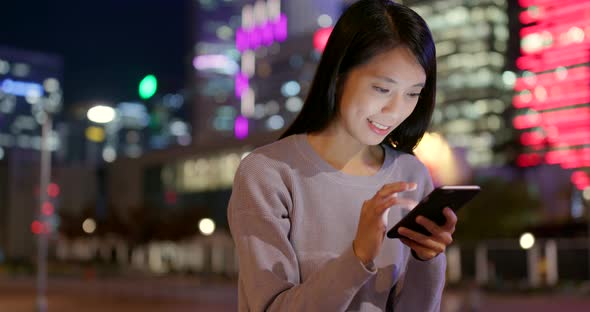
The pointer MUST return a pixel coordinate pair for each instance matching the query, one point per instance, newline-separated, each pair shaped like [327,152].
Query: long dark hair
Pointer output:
[366,29]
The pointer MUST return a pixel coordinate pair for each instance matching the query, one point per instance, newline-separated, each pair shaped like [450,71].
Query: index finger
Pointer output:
[397,187]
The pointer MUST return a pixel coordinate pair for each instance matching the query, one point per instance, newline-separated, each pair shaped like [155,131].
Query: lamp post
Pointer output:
[43,237]
[107,116]
[98,114]
[43,108]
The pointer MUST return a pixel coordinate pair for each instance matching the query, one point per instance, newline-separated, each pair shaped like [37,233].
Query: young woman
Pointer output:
[309,212]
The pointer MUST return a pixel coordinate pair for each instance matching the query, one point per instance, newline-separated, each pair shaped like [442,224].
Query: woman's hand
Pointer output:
[428,247]
[373,219]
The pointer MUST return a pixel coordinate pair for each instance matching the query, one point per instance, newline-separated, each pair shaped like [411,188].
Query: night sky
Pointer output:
[107,46]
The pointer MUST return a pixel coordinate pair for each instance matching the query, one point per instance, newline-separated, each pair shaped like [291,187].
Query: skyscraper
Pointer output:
[474,93]
[252,74]
[30,85]
[553,89]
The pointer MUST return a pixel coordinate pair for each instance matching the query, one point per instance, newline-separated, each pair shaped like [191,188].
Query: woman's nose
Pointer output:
[392,104]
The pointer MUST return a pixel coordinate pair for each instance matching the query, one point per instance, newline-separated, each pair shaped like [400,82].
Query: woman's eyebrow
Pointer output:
[391,80]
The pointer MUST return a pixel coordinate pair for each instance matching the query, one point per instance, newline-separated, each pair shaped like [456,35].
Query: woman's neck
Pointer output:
[350,158]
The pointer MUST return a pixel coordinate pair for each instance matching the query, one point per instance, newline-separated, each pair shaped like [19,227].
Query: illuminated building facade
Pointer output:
[215,63]
[30,83]
[552,91]
[139,126]
[278,71]
[474,90]
[253,73]
[143,126]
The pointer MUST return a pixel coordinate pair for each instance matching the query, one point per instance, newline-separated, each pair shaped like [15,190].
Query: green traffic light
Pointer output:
[148,87]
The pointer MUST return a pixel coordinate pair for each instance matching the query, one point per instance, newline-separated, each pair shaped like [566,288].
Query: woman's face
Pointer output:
[379,95]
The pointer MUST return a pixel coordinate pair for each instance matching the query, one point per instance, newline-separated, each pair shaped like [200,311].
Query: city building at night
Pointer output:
[252,67]
[552,92]
[474,93]
[250,81]
[30,86]
[511,79]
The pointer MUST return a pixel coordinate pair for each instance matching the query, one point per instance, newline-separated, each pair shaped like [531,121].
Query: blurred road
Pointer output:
[146,294]
[150,294]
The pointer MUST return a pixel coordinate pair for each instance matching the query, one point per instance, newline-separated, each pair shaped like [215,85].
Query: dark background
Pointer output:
[106,46]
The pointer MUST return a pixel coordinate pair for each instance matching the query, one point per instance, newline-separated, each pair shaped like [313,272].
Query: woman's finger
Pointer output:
[429,225]
[392,201]
[397,187]
[425,241]
[383,205]
[423,253]
[451,219]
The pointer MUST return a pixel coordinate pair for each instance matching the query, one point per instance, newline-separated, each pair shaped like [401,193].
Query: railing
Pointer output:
[213,254]
[501,263]
[504,263]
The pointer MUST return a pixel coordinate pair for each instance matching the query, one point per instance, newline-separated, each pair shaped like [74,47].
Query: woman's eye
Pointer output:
[414,94]
[380,90]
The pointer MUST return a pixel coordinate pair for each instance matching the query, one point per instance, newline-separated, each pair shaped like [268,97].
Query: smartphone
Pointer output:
[432,206]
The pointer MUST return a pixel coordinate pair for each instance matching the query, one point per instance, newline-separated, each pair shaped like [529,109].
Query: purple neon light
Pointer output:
[267,34]
[241,127]
[255,38]
[241,84]
[280,28]
[241,40]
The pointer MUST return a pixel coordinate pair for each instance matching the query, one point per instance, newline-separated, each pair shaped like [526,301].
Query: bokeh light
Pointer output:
[47,209]
[37,227]
[527,241]
[148,87]
[101,114]
[89,226]
[95,134]
[53,190]
[325,20]
[206,226]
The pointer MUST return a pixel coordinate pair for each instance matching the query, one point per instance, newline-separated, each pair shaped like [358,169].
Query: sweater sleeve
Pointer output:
[259,219]
[421,287]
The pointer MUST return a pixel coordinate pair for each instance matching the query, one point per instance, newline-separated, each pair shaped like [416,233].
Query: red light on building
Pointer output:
[532,138]
[526,121]
[538,12]
[567,139]
[47,209]
[568,156]
[37,227]
[320,38]
[53,190]
[528,160]
[550,59]
[574,77]
[581,179]
[553,94]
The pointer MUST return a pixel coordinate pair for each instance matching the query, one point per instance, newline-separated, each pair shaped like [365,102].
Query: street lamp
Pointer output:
[108,117]
[89,226]
[527,241]
[101,114]
[206,226]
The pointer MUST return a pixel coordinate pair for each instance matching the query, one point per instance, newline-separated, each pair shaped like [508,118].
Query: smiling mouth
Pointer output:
[378,125]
